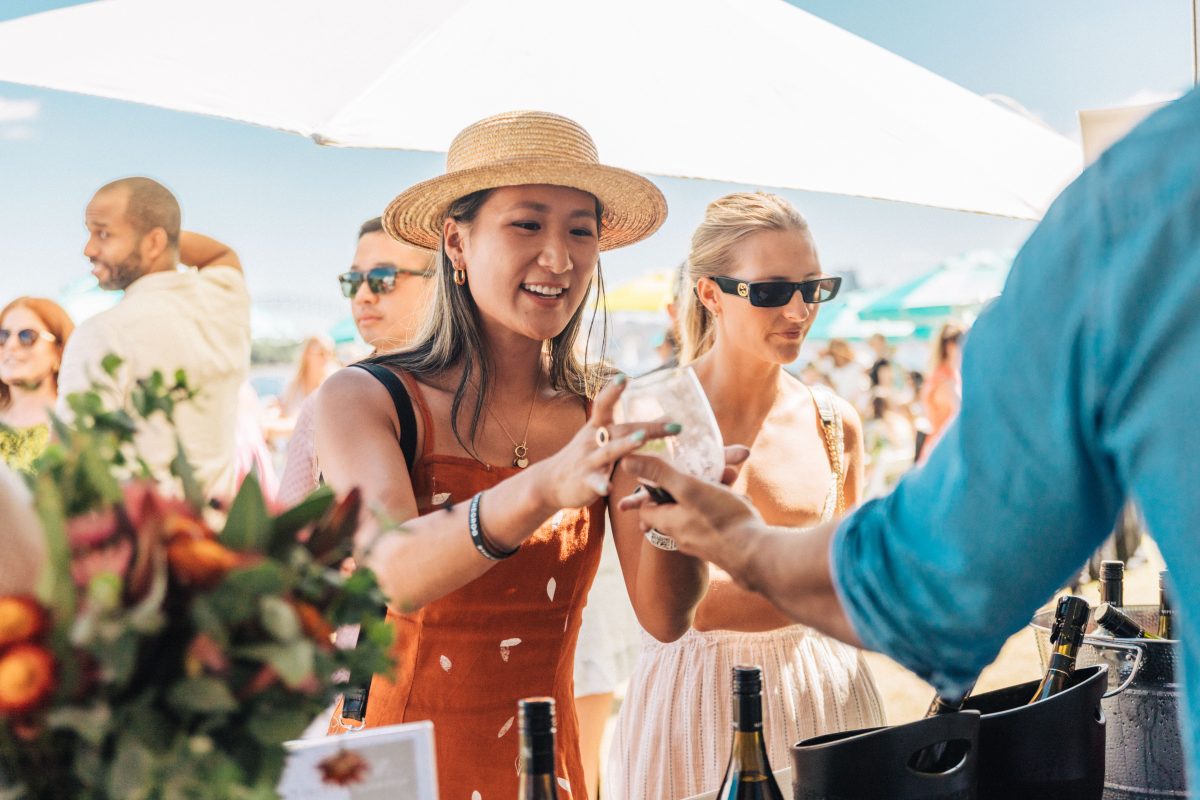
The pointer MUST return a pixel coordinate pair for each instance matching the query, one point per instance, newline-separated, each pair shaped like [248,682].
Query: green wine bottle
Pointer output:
[748,776]
[1120,624]
[1166,614]
[1112,583]
[536,724]
[1070,620]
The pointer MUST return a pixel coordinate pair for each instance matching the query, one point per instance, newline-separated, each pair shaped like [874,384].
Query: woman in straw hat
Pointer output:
[512,447]
[752,289]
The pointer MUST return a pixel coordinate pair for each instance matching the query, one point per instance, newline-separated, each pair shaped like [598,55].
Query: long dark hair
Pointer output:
[452,336]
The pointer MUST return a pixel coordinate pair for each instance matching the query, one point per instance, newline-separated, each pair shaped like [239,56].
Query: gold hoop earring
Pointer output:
[460,277]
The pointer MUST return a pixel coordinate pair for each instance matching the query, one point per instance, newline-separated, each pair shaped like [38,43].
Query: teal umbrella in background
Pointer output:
[344,331]
[840,319]
[83,298]
[958,288]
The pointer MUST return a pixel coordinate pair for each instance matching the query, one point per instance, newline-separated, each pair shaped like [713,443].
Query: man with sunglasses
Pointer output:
[1077,384]
[388,287]
[195,319]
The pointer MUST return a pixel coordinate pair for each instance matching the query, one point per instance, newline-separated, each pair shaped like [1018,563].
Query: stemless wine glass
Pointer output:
[675,395]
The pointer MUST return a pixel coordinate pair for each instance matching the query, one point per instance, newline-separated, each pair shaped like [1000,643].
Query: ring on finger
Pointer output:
[602,436]
[661,540]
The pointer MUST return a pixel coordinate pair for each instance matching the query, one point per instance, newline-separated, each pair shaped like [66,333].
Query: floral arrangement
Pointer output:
[171,648]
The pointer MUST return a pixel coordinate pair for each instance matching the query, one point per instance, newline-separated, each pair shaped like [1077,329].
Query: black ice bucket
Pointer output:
[875,762]
[1050,750]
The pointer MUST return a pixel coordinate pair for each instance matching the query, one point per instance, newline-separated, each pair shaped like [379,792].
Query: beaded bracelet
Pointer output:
[480,541]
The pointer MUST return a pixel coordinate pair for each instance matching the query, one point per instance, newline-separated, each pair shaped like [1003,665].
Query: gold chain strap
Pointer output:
[829,428]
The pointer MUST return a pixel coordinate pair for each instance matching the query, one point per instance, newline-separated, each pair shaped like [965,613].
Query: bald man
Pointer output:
[185,308]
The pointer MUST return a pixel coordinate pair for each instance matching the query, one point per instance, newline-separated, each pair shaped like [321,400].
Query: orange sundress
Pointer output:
[464,661]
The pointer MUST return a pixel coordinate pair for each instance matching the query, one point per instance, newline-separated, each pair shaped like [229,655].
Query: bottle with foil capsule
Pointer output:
[1166,615]
[1112,583]
[536,723]
[748,776]
[1120,624]
[929,759]
[1070,621]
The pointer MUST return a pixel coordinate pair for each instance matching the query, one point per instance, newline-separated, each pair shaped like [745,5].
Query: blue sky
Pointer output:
[292,208]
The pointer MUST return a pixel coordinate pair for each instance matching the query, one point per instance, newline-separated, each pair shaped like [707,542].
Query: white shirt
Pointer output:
[193,320]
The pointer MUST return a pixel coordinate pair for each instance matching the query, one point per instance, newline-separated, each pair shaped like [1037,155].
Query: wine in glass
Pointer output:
[675,395]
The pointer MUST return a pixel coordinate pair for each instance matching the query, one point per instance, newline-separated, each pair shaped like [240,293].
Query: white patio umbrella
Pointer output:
[747,91]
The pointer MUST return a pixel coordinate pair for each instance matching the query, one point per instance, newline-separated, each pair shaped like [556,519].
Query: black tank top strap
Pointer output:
[404,408]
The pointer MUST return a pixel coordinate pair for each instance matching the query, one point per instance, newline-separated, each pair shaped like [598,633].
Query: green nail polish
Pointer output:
[620,379]
[673,428]
[638,436]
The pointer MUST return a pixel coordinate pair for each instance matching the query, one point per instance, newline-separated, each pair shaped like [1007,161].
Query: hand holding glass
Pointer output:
[676,395]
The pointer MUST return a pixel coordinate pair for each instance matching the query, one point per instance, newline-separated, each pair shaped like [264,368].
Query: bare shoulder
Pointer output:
[353,390]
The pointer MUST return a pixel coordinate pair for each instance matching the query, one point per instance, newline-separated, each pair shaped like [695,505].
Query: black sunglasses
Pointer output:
[26,336]
[772,294]
[380,280]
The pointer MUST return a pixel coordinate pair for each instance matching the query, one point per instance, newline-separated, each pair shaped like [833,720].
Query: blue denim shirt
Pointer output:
[1081,387]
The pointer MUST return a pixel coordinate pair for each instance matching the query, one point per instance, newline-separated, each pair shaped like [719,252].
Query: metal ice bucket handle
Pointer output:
[1139,653]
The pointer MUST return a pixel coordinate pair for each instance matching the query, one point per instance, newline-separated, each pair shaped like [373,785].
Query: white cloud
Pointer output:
[19,110]
[16,133]
[1145,97]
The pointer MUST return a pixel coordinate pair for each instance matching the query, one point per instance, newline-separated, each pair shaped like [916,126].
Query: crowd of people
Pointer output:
[493,470]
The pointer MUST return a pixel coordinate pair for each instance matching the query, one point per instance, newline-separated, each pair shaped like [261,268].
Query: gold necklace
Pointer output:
[520,451]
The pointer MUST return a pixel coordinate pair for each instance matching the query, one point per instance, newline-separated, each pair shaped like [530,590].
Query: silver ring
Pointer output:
[602,436]
[661,540]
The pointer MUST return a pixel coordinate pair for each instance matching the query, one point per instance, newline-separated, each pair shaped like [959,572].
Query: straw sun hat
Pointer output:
[527,147]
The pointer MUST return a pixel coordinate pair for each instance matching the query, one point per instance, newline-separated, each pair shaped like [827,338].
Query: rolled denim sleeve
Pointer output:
[1018,493]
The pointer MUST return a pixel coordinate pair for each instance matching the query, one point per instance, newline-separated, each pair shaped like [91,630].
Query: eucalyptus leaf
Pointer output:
[275,726]
[132,771]
[90,723]
[55,587]
[293,661]
[181,468]
[248,526]
[110,363]
[202,695]
[278,617]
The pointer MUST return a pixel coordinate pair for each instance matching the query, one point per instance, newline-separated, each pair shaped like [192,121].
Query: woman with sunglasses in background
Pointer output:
[388,286]
[33,332]
[751,294]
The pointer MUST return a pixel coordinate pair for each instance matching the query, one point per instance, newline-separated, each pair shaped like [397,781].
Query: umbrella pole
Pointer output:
[1195,44]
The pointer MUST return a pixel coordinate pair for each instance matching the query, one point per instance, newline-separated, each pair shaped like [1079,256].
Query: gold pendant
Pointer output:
[519,456]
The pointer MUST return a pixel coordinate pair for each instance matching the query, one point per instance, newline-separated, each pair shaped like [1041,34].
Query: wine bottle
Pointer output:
[942,705]
[1166,614]
[1070,620]
[1112,583]
[1120,624]
[748,775]
[536,725]
[929,759]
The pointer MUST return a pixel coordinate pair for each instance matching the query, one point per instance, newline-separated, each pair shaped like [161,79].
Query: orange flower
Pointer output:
[27,678]
[314,624]
[22,619]
[344,768]
[201,563]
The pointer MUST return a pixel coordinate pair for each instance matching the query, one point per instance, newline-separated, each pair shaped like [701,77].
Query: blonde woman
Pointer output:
[494,445]
[752,290]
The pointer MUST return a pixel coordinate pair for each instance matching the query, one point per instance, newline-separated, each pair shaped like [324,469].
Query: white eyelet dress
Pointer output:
[673,734]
